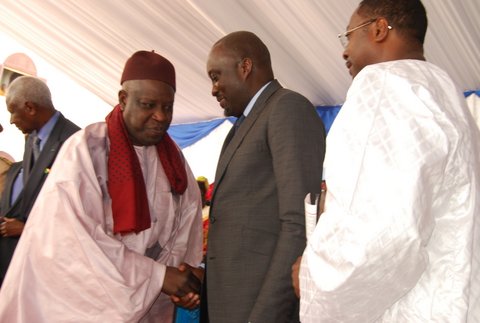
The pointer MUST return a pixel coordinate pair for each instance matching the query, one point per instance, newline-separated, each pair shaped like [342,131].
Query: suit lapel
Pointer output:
[46,158]
[229,148]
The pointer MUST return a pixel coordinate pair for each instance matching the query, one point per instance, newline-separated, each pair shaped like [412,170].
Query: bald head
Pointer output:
[245,44]
[239,66]
[30,103]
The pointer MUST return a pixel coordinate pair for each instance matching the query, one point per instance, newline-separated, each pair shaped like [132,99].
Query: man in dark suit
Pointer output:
[29,102]
[267,166]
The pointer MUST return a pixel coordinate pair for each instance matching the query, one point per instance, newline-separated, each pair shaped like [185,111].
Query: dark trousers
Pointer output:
[203,300]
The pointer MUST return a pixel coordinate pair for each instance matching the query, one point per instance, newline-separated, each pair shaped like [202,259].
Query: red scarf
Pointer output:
[125,179]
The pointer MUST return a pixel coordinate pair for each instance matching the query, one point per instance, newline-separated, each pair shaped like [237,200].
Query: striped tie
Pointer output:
[36,147]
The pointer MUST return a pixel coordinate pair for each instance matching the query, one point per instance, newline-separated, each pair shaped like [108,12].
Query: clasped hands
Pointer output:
[11,227]
[183,285]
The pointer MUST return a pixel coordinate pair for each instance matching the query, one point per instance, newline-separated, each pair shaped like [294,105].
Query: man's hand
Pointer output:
[11,227]
[191,300]
[295,274]
[198,272]
[180,283]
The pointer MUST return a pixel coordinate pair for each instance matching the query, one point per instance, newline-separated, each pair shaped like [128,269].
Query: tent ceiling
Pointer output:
[90,40]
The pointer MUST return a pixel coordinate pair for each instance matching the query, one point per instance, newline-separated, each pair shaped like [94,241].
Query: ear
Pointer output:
[245,67]
[382,29]
[30,108]
[122,99]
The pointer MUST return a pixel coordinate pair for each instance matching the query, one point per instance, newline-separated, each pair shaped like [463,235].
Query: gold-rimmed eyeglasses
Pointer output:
[343,37]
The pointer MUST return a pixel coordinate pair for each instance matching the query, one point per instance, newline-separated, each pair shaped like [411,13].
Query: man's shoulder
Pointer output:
[65,128]
[279,93]
[412,70]
[85,148]
[68,123]
[92,132]
[284,100]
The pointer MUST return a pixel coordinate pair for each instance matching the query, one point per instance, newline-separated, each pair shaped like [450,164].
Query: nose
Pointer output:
[1,128]
[159,115]
[214,89]
[345,54]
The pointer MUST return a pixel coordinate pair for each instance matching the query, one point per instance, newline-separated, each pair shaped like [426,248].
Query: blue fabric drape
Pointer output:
[468,93]
[328,114]
[188,134]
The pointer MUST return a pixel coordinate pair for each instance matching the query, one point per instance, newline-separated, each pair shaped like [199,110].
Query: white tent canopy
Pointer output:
[90,41]
[86,43]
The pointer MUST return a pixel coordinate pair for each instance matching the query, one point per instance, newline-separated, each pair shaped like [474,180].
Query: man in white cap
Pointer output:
[119,213]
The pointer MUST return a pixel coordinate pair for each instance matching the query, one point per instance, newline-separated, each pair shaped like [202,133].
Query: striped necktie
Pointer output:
[34,143]
[36,147]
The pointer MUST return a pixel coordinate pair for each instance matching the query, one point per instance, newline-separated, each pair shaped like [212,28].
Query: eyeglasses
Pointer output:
[343,37]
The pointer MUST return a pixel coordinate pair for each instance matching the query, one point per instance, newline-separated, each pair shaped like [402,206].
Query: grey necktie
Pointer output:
[35,147]
[232,132]
[238,123]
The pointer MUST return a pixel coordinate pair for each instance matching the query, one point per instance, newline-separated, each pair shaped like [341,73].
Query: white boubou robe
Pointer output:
[399,240]
[70,267]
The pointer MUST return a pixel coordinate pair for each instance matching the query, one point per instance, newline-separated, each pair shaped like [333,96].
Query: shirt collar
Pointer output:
[45,131]
[254,99]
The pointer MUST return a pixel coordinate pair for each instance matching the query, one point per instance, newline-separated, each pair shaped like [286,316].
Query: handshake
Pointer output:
[183,285]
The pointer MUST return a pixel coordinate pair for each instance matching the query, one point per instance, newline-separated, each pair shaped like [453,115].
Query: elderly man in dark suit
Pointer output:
[268,164]
[29,102]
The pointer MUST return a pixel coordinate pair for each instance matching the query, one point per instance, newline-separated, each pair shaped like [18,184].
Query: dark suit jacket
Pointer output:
[5,165]
[257,219]
[20,209]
